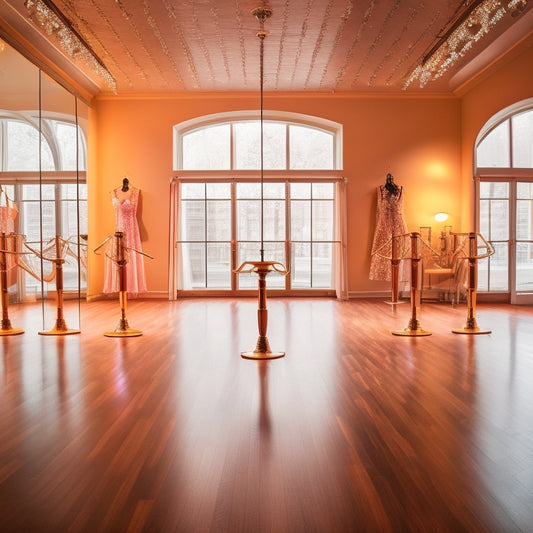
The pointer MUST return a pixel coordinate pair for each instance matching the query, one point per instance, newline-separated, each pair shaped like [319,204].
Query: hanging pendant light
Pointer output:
[262,268]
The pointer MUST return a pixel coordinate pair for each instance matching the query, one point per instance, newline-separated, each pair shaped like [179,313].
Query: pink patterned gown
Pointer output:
[389,221]
[126,221]
[8,225]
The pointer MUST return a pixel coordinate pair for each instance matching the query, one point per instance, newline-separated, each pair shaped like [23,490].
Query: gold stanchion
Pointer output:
[262,268]
[122,329]
[6,327]
[395,257]
[471,327]
[413,329]
[60,327]
[395,273]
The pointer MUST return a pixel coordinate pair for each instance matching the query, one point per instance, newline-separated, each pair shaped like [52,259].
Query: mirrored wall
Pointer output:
[43,197]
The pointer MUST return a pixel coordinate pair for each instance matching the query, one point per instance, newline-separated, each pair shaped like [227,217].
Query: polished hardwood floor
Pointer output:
[355,429]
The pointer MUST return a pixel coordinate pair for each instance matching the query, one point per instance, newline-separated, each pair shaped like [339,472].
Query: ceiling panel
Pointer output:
[169,46]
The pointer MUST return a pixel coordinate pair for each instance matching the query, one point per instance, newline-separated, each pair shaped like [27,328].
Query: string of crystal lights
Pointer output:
[47,15]
[475,21]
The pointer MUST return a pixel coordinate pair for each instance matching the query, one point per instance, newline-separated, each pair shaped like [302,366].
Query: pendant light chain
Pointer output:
[262,267]
[261,14]
[261,36]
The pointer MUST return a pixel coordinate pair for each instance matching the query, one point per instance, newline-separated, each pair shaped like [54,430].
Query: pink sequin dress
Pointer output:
[125,206]
[389,221]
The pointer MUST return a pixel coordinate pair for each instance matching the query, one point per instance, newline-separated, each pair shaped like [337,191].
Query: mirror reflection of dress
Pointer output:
[389,221]
[9,215]
[125,202]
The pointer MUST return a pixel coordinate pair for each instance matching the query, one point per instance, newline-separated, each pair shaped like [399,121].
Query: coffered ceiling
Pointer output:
[167,46]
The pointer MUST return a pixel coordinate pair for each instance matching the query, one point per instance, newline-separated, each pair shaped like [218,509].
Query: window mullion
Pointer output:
[205,235]
[288,251]
[311,221]
[233,244]
[58,209]
[511,155]
[232,146]
[287,147]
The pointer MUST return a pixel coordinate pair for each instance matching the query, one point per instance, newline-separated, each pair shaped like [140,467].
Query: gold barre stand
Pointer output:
[395,273]
[6,328]
[471,327]
[413,328]
[395,260]
[262,268]
[60,326]
[123,329]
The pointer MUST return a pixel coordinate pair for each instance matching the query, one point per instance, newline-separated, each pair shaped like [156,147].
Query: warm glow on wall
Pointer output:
[441,216]
[437,169]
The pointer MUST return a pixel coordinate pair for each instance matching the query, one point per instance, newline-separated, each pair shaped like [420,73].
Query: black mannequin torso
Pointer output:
[391,186]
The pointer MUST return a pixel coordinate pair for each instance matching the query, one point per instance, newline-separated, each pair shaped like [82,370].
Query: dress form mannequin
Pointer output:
[390,222]
[125,201]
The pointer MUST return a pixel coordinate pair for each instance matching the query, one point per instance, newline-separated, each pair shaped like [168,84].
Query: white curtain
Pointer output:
[173,280]
[340,256]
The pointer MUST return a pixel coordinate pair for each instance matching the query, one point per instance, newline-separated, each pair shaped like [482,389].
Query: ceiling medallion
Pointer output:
[46,14]
[472,24]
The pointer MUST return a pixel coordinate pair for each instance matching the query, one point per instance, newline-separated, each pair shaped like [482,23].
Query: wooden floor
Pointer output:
[353,430]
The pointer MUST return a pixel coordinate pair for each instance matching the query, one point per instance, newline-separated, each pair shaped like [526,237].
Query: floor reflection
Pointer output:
[265,425]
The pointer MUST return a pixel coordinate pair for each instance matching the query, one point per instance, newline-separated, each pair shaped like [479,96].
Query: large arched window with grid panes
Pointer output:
[216,201]
[504,200]
[40,175]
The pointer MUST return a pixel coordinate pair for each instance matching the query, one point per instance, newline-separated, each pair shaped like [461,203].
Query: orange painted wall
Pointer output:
[416,139]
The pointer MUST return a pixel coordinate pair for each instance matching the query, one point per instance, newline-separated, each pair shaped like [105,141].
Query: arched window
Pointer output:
[504,196]
[44,179]
[217,201]
[508,144]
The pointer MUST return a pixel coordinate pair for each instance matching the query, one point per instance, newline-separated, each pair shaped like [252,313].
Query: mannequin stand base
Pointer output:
[10,331]
[56,331]
[471,328]
[262,351]
[123,330]
[472,331]
[60,328]
[262,355]
[128,332]
[411,332]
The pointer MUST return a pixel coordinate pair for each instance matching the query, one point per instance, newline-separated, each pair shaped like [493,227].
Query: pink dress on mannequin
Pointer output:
[389,221]
[125,205]
[9,224]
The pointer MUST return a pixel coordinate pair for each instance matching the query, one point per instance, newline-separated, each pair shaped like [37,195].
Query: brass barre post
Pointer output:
[6,328]
[395,267]
[262,348]
[395,272]
[60,327]
[413,329]
[471,327]
[122,329]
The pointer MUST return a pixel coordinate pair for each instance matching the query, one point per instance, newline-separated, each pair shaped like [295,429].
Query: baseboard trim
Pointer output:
[150,295]
[360,295]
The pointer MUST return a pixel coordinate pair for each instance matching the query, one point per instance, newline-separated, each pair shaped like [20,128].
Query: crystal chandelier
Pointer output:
[477,19]
[46,14]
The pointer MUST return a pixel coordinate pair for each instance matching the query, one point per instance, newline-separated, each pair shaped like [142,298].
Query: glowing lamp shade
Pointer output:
[441,217]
